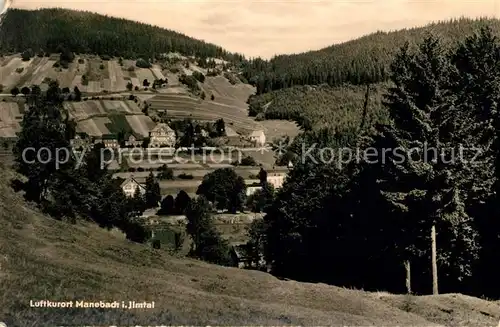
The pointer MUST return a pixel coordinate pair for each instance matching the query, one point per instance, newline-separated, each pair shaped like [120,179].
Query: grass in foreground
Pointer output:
[46,259]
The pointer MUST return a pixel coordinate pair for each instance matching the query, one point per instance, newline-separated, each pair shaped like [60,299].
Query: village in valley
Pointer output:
[152,120]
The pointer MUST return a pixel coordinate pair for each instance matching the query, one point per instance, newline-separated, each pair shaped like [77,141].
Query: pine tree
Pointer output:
[208,244]
[152,195]
[428,182]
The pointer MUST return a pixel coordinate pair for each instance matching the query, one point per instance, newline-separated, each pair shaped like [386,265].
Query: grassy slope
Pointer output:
[46,259]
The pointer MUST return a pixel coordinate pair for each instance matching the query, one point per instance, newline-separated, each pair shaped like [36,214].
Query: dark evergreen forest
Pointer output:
[360,61]
[47,30]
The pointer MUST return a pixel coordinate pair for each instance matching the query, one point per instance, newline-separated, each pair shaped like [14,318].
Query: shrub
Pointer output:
[131,68]
[247,161]
[231,78]
[19,70]
[26,55]
[81,61]
[185,176]
[260,116]
[136,232]
[199,76]
[141,63]
[106,57]
[101,66]
[140,169]
[156,244]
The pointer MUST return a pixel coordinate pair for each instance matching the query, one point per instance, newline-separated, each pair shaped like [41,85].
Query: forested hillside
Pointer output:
[47,29]
[359,61]
[321,106]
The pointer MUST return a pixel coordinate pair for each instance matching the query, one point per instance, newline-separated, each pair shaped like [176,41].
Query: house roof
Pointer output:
[162,126]
[109,137]
[231,132]
[132,179]
[241,251]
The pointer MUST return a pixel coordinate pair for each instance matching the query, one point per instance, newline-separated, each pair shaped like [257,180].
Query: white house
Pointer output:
[162,136]
[133,141]
[258,137]
[276,179]
[130,185]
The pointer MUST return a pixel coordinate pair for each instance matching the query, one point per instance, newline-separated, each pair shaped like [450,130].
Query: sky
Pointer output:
[265,28]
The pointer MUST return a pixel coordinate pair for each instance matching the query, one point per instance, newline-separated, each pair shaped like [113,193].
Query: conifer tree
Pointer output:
[153,193]
[426,182]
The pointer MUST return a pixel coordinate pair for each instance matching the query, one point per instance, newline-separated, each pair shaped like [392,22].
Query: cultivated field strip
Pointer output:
[29,71]
[133,107]
[112,75]
[113,106]
[46,70]
[9,119]
[220,87]
[8,69]
[157,72]
[89,127]
[180,183]
[8,75]
[94,87]
[140,124]
[66,76]
[135,81]
[116,73]
[101,123]
[106,84]
[77,110]
[77,81]
[37,71]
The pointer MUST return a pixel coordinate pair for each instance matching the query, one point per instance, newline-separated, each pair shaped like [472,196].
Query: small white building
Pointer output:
[258,137]
[276,179]
[162,136]
[130,185]
[252,189]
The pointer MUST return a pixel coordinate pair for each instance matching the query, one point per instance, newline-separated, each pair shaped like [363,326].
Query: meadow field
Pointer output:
[101,75]
[229,103]
[46,258]
[10,117]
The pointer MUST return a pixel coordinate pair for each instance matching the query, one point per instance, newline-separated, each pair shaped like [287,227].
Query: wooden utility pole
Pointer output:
[408,276]
[434,262]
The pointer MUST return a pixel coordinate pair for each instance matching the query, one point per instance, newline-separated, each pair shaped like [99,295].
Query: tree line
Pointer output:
[85,32]
[55,180]
[361,61]
[373,223]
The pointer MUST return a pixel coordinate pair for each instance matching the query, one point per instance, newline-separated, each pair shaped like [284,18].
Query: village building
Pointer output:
[81,140]
[232,137]
[133,142]
[162,136]
[130,185]
[242,257]
[110,141]
[258,138]
[251,189]
[276,179]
